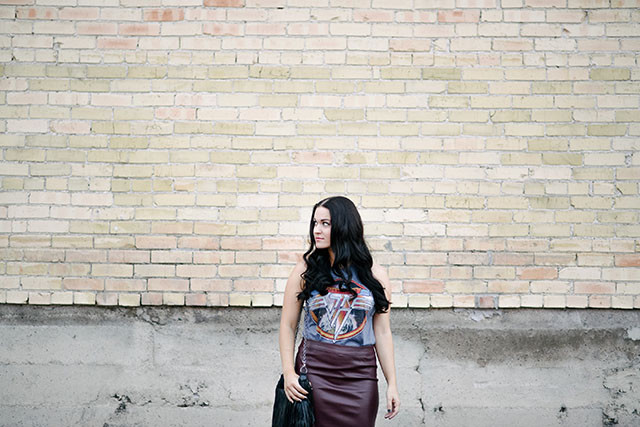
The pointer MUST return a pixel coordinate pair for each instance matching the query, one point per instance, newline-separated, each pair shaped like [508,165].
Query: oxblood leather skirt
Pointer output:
[345,383]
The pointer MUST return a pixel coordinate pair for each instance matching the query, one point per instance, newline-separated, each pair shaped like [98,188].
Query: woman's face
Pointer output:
[322,227]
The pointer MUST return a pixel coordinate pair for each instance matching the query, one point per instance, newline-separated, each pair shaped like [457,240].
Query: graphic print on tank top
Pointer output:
[338,315]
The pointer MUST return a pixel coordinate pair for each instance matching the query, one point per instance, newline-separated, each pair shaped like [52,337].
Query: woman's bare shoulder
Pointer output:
[301,265]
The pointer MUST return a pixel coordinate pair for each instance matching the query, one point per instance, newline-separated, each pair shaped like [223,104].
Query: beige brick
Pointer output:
[610,74]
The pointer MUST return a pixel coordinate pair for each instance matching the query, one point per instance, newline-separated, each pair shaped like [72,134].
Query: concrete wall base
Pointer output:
[163,366]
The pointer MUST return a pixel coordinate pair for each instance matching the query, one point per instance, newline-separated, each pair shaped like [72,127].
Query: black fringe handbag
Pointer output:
[296,414]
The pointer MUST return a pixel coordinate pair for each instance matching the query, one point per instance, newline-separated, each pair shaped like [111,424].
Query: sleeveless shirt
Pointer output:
[338,317]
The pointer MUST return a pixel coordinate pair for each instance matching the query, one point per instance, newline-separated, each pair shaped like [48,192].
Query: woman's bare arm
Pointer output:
[384,346]
[291,307]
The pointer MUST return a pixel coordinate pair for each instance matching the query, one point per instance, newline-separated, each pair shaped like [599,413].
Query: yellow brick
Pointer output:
[398,157]
[269,72]
[511,116]
[561,159]
[213,86]
[146,72]
[551,87]
[435,73]
[449,129]
[380,173]
[106,72]
[492,102]
[536,102]
[383,87]
[456,202]
[607,130]
[469,116]
[357,129]
[233,128]
[401,73]
[549,202]
[309,72]
[399,129]
[551,230]
[278,100]
[436,101]
[133,114]
[610,74]
[228,72]
[467,87]
[386,115]
[344,114]
[520,159]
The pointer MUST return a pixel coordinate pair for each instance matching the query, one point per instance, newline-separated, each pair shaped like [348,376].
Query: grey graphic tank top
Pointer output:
[338,317]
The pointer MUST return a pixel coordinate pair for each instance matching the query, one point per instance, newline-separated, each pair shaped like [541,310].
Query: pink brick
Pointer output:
[458,16]
[164,14]
[223,29]
[594,288]
[196,299]
[210,257]
[175,113]
[138,29]
[631,260]
[96,28]
[36,12]
[486,302]
[599,301]
[86,255]
[125,284]
[415,16]
[128,43]
[308,29]
[155,242]
[168,285]
[83,284]
[423,286]
[215,285]
[375,15]
[259,28]
[410,45]
[535,273]
[198,271]
[199,242]
[129,256]
[172,228]
[256,285]
[241,243]
[151,298]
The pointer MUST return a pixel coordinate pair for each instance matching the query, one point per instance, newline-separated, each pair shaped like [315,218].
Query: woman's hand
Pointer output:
[393,403]
[293,389]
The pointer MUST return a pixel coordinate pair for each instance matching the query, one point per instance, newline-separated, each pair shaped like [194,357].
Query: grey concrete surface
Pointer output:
[108,367]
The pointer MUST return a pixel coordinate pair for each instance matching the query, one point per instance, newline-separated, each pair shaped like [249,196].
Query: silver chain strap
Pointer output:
[303,368]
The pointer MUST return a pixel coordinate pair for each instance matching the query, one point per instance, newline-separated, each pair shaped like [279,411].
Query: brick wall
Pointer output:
[169,152]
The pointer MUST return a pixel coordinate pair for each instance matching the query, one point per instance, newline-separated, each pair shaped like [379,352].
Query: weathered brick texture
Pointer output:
[170,154]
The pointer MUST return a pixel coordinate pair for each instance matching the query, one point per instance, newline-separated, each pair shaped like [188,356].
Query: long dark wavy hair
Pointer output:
[349,250]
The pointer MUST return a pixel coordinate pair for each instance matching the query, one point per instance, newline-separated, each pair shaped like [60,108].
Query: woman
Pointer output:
[346,302]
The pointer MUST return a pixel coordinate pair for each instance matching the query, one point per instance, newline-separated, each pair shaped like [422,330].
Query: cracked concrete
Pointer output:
[176,366]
